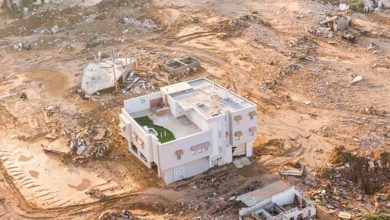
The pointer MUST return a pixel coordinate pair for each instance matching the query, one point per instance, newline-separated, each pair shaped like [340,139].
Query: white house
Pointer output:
[188,127]
[277,201]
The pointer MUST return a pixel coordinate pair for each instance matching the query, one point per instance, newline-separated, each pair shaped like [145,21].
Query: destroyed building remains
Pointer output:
[277,201]
[188,127]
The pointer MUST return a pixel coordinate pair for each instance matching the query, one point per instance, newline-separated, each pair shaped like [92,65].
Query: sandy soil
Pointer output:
[264,51]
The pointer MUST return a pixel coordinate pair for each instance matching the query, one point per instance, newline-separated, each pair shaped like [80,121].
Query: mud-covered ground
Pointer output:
[309,108]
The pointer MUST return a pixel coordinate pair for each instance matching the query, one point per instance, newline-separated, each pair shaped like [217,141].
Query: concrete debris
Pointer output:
[115,214]
[195,19]
[345,215]
[96,193]
[182,67]
[356,79]
[349,37]
[343,6]
[372,111]
[22,46]
[57,147]
[48,113]
[81,148]
[375,5]
[241,162]
[336,23]
[145,24]
[277,201]
[90,18]
[100,75]
[292,169]
[101,133]
[55,29]
[135,83]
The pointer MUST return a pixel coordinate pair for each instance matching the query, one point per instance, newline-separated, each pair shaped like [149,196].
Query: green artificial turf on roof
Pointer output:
[164,135]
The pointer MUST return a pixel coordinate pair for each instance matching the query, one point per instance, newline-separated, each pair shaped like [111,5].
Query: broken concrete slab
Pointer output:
[357,79]
[241,162]
[292,169]
[261,203]
[345,215]
[58,146]
[183,66]
[100,75]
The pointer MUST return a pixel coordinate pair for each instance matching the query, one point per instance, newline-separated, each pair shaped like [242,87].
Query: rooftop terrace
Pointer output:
[180,127]
[208,97]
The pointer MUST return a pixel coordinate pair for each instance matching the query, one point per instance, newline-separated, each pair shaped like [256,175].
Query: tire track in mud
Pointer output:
[23,209]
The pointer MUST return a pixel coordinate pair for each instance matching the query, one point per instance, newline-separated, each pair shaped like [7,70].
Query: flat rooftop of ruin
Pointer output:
[208,97]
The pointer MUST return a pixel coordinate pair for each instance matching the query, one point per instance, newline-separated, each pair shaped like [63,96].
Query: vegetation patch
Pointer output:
[163,134]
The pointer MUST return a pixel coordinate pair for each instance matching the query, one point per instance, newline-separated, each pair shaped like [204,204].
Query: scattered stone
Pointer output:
[292,169]
[345,215]
[356,79]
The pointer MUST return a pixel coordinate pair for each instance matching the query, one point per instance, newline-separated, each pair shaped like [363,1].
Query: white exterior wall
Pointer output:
[243,125]
[217,130]
[141,103]
[167,155]
[132,127]
[189,169]
[285,197]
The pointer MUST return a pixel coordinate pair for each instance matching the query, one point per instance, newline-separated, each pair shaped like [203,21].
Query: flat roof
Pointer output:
[210,98]
[180,127]
[252,198]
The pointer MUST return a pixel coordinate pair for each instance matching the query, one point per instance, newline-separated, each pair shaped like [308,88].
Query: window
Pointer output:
[134,148]
[252,130]
[179,153]
[143,157]
[252,114]
[238,135]
[237,118]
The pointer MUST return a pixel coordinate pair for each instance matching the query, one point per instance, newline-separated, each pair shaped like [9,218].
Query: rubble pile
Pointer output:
[358,177]
[235,27]
[116,214]
[88,143]
[136,84]
[330,26]
[303,49]
[369,173]
[147,24]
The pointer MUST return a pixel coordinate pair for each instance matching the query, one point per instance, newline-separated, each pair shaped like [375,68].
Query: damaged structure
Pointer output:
[182,66]
[104,74]
[188,127]
[277,201]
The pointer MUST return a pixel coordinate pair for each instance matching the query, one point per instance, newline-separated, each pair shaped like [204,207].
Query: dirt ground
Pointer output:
[270,52]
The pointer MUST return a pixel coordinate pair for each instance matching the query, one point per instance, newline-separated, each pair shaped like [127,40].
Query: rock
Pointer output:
[343,7]
[195,18]
[345,215]
[55,29]
[357,79]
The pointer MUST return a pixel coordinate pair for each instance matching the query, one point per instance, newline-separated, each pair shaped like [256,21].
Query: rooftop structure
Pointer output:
[277,201]
[188,127]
